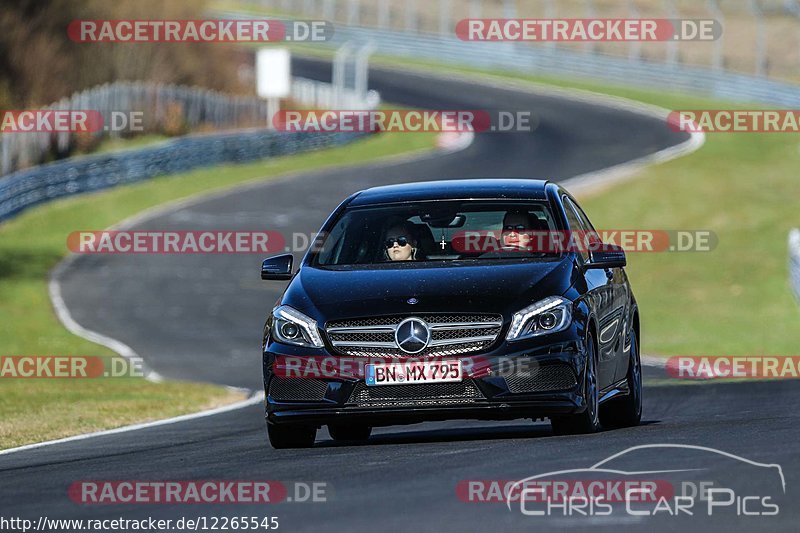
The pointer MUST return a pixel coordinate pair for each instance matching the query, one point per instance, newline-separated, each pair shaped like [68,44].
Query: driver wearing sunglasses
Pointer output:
[517,228]
[399,243]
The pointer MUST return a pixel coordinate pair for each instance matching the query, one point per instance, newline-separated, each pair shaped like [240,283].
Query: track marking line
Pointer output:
[604,176]
[254,399]
[586,182]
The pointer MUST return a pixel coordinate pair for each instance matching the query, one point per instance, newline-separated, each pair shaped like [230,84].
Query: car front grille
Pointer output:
[554,377]
[420,395]
[451,334]
[297,389]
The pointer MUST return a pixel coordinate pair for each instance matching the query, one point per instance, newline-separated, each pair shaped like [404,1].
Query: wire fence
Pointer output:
[26,188]
[756,60]
[310,93]
[760,37]
[170,110]
[165,109]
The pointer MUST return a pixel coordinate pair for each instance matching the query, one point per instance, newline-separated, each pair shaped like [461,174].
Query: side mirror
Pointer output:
[277,268]
[608,256]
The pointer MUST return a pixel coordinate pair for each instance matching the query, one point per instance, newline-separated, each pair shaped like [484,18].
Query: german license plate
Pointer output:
[405,373]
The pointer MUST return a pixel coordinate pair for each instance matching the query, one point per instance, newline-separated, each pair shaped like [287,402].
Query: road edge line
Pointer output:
[604,176]
[254,399]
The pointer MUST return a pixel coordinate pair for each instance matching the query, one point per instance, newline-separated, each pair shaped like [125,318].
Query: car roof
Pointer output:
[463,189]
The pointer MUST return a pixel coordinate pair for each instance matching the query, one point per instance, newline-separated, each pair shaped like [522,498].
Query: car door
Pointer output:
[600,298]
[613,334]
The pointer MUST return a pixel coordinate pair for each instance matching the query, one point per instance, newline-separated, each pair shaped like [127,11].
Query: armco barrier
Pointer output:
[538,61]
[157,103]
[548,61]
[25,188]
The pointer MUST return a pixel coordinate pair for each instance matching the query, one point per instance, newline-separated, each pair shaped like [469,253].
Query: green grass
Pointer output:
[33,243]
[44,409]
[736,299]
[115,144]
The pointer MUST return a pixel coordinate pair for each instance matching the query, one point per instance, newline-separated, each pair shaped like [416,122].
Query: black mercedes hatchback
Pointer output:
[488,299]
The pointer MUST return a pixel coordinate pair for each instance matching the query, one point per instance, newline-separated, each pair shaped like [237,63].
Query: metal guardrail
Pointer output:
[794,261]
[565,63]
[165,109]
[29,187]
[545,60]
[759,36]
[320,95]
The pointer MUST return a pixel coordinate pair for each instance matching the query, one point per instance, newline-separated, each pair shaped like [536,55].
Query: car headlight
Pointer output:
[552,314]
[290,326]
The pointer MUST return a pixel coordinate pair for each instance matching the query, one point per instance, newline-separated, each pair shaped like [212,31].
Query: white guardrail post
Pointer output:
[794,261]
[362,70]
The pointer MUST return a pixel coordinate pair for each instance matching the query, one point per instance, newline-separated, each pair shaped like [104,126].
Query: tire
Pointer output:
[589,420]
[627,410]
[356,432]
[290,436]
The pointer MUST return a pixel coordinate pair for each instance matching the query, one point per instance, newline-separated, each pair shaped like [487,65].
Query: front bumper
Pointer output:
[514,381]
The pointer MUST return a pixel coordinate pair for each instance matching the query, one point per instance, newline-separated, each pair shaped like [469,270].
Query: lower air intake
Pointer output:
[542,379]
[297,389]
[431,394]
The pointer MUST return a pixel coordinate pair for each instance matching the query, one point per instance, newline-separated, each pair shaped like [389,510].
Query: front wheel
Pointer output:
[588,421]
[627,410]
[282,436]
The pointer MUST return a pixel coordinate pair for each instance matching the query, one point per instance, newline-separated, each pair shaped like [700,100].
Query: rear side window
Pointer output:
[575,223]
[582,216]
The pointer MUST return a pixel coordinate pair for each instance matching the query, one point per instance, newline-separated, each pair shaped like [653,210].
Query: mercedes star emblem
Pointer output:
[412,335]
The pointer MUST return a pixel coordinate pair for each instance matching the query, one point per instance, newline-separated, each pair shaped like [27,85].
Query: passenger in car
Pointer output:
[517,228]
[399,243]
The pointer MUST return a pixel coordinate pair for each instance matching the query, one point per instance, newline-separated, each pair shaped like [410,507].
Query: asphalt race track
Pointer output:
[200,318]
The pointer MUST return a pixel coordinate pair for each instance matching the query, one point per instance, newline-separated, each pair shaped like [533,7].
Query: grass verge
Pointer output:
[31,245]
[736,299]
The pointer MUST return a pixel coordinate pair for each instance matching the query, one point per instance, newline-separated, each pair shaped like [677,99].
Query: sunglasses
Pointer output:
[517,227]
[402,241]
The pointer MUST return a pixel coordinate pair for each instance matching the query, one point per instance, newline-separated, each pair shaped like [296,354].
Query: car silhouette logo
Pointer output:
[412,335]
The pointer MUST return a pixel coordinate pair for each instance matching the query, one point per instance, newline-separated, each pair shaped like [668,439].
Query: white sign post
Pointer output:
[273,78]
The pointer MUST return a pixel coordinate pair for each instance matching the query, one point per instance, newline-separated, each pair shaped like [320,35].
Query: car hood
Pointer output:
[501,287]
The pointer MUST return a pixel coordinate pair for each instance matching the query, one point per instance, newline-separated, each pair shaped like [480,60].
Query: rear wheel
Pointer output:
[349,432]
[588,421]
[283,436]
[627,410]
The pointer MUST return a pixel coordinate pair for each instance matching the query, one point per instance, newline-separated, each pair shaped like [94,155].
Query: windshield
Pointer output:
[436,231]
